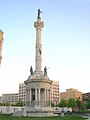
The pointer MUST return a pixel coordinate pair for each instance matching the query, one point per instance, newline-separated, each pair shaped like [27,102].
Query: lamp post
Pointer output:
[56,99]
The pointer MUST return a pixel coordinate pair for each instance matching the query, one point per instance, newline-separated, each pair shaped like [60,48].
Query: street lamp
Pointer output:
[56,99]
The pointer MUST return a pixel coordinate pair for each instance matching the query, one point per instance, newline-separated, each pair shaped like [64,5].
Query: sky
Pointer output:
[65,42]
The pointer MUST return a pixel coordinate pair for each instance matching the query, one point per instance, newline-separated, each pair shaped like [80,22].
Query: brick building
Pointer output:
[71,93]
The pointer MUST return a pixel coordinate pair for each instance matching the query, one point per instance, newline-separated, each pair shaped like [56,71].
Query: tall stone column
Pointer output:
[38,25]
[1,43]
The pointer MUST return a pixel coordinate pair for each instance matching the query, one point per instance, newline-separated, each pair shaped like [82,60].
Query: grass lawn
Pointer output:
[67,117]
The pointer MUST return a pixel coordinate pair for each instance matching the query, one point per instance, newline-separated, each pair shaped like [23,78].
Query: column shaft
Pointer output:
[45,98]
[26,98]
[38,50]
[50,97]
[39,96]
[38,25]
[45,94]
[30,96]
[36,96]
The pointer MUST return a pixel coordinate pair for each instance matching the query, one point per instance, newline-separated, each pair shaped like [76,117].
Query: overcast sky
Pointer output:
[65,42]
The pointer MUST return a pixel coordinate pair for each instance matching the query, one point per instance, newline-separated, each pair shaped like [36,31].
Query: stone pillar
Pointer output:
[26,97]
[50,96]
[38,25]
[45,97]
[39,96]
[36,96]
[47,100]
[30,96]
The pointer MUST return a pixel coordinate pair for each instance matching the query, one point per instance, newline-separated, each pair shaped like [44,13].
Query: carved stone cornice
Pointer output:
[39,24]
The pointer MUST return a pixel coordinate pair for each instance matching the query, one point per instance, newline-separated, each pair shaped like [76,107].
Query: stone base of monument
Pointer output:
[40,112]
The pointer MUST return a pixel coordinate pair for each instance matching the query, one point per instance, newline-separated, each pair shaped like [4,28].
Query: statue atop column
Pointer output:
[39,13]
[31,70]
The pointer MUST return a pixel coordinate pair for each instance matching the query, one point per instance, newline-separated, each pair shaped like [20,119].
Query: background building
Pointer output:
[1,43]
[11,98]
[22,92]
[86,96]
[71,93]
[55,94]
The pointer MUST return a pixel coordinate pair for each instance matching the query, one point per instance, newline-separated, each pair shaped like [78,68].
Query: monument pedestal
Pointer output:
[38,95]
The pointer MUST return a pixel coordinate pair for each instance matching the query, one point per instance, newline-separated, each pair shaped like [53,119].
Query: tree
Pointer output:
[20,103]
[7,104]
[63,103]
[1,104]
[72,103]
[88,104]
[80,105]
[52,104]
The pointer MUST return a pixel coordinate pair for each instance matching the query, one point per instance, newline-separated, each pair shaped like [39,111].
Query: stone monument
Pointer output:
[1,43]
[38,84]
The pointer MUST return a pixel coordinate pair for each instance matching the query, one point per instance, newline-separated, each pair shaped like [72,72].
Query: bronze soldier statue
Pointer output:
[31,70]
[45,71]
[39,13]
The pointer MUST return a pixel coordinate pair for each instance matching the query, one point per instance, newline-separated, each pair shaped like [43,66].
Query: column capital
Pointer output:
[38,24]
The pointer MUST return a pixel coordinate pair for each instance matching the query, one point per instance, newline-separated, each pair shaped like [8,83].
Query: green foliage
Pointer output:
[80,105]
[5,104]
[1,104]
[88,100]
[88,104]
[72,103]
[20,103]
[63,103]
[52,104]
[75,104]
